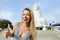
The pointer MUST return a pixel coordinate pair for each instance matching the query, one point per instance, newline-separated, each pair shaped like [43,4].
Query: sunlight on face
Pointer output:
[26,16]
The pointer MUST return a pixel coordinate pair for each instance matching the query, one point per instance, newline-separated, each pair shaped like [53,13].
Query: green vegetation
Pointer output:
[4,24]
[49,28]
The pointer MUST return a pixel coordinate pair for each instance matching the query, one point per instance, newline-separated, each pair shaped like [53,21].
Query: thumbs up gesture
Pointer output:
[7,32]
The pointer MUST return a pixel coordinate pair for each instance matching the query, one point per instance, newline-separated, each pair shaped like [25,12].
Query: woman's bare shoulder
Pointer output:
[15,25]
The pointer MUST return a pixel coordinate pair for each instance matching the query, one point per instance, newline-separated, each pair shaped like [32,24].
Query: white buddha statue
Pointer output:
[39,19]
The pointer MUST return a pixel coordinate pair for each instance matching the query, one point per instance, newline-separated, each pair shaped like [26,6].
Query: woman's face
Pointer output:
[26,16]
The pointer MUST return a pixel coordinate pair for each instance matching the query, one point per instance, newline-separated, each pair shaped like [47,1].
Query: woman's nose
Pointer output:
[25,16]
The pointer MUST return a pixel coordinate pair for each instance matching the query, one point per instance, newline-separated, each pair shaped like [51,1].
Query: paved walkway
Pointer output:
[47,35]
[41,35]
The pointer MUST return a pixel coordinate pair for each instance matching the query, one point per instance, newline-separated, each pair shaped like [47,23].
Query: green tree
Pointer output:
[4,24]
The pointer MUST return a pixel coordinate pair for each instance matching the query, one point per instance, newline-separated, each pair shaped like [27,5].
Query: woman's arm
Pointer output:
[14,28]
[11,32]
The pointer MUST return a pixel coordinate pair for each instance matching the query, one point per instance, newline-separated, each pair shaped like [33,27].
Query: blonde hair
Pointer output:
[32,24]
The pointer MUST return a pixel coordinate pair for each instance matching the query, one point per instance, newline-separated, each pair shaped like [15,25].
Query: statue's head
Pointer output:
[36,7]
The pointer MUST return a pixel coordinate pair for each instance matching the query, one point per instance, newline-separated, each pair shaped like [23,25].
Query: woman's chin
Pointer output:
[25,22]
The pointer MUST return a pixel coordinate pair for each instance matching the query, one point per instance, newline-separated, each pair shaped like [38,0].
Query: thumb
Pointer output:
[8,30]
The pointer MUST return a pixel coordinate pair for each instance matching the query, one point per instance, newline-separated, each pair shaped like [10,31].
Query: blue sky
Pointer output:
[12,9]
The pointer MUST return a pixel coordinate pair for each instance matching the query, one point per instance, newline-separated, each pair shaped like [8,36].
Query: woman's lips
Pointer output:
[25,19]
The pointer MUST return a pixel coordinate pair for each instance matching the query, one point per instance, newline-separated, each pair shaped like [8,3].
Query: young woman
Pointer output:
[24,30]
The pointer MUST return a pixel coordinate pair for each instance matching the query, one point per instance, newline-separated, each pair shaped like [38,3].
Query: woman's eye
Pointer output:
[28,14]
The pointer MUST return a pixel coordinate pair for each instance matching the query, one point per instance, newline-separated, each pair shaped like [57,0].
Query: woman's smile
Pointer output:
[26,16]
[25,19]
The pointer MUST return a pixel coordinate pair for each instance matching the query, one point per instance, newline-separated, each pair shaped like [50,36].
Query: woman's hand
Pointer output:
[10,32]
[7,33]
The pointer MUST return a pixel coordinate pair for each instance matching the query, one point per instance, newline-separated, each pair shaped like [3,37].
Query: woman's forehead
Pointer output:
[26,11]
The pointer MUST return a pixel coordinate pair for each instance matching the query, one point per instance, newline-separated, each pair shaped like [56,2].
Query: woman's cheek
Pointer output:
[28,18]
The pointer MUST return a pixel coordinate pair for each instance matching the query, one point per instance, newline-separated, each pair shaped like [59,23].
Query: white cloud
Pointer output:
[6,15]
[53,15]
[50,13]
